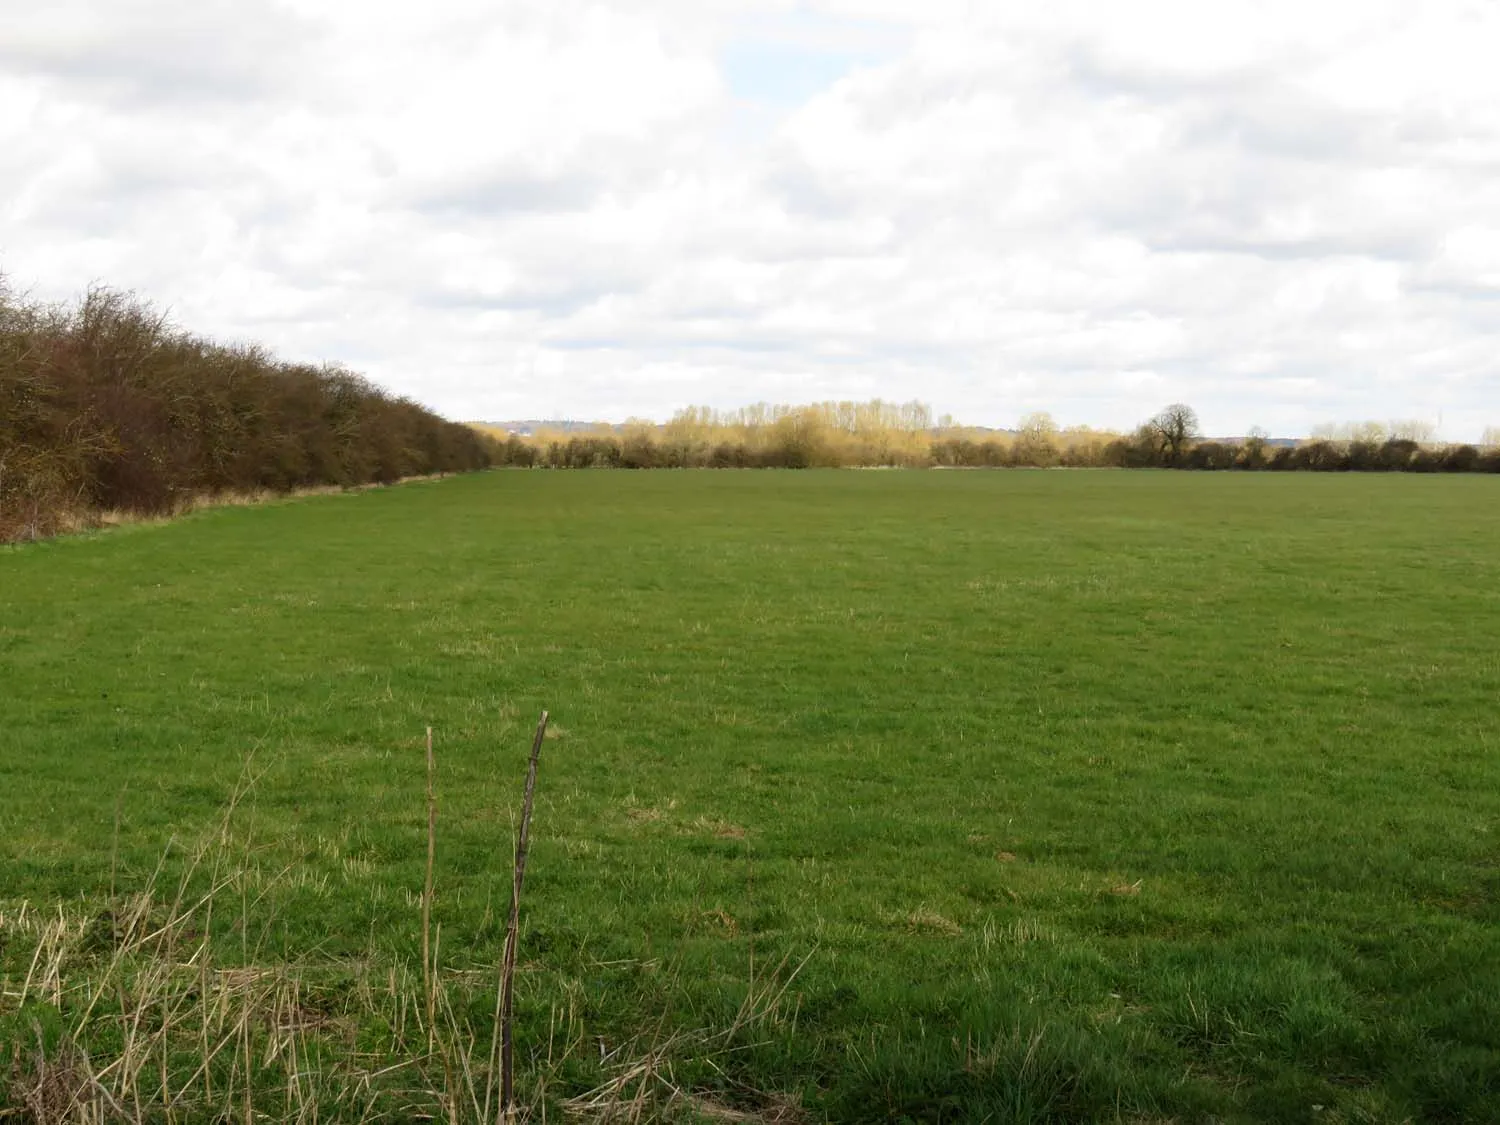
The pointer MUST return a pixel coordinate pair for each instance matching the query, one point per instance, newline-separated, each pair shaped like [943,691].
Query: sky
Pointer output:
[1283,214]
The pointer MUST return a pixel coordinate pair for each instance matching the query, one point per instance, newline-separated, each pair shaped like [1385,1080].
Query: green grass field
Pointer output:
[1077,796]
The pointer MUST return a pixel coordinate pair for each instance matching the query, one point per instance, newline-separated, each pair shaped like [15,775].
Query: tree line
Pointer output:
[876,434]
[107,406]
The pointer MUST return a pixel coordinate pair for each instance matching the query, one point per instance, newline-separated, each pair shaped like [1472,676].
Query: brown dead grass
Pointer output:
[62,521]
[777,1109]
[725,920]
[923,920]
[720,829]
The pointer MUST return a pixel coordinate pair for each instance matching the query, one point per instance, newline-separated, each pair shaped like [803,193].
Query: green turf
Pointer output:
[1085,795]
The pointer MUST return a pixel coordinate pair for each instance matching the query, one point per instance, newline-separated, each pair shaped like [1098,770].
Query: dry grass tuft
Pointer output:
[60,518]
[647,814]
[724,919]
[642,1084]
[771,1109]
[55,1087]
[930,921]
[721,829]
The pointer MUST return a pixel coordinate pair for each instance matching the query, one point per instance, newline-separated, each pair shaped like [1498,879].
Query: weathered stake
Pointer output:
[507,1107]
[427,989]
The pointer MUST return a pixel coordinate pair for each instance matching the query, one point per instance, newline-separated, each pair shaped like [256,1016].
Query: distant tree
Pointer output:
[1036,440]
[1082,446]
[638,449]
[1319,456]
[1414,430]
[1173,429]
[1253,452]
[1397,454]
[1138,450]
[1364,455]
[1491,439]
[1211,455]
[1460,459]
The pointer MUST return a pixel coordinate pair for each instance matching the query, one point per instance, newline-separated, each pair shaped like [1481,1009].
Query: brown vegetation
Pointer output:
[106,406]
[873,434]
[880,434]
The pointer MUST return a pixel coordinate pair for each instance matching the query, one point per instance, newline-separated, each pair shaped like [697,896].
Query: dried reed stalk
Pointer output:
[507,1107]
[427,989]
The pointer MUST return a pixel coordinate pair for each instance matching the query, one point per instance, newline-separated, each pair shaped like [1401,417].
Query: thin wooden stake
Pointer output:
[507,1107]
[427,989]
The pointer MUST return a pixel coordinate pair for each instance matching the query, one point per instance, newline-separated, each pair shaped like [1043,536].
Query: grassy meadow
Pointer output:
[945,796]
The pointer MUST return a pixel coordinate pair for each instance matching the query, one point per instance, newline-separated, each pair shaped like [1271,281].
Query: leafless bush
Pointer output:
[107,406]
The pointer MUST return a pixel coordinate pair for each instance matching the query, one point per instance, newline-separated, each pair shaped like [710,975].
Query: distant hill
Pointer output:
[1271,442]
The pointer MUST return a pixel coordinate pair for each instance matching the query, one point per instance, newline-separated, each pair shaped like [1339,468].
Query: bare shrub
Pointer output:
[108,406]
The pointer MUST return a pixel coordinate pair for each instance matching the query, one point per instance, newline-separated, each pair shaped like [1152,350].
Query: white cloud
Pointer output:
[1282,213]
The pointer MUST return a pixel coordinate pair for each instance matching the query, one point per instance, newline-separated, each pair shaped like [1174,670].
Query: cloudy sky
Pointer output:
[1283,213]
